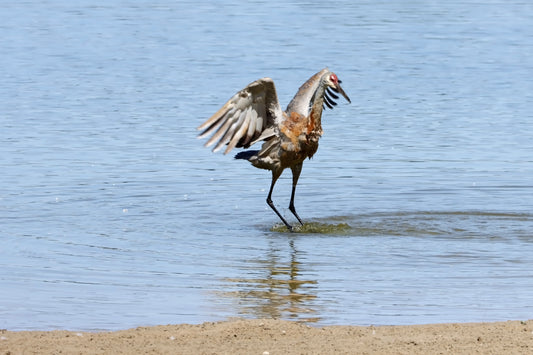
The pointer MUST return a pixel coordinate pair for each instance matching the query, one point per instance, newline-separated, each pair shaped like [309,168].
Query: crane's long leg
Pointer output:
[296,170]
[275,175]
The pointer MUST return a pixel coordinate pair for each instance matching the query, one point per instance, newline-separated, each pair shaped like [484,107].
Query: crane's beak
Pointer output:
[338,88]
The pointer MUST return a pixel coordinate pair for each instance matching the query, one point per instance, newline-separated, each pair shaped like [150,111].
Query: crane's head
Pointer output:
[332,82]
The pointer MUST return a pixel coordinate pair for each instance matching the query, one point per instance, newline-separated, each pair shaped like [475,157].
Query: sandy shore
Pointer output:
[280,337]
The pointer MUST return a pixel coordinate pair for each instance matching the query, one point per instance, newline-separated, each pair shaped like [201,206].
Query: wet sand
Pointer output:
[280,337]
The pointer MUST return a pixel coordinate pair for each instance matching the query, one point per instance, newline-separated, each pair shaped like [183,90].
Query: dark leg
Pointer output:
[275,176]
[296,170]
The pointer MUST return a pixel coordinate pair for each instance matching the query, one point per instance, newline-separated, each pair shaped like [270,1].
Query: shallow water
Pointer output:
[418,203]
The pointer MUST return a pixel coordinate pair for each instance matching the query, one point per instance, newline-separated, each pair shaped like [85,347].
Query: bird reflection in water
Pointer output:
[278,291]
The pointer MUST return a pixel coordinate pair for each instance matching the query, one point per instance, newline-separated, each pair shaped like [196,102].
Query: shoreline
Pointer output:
[269,336]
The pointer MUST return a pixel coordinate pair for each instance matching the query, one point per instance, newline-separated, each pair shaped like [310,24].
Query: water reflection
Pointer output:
[276,287]
[291,278]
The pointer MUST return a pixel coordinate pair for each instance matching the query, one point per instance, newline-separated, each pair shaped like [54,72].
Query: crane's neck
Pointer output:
[310,92]
[309,99]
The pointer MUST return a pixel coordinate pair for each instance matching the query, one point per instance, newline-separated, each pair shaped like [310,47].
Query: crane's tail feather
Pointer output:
[246,154]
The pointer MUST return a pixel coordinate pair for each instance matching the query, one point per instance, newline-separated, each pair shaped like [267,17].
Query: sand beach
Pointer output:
[269,337]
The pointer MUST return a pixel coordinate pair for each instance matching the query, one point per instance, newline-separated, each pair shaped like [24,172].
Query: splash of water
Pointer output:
[314,227]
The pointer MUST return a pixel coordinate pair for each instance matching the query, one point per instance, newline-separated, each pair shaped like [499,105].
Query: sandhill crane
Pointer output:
[254,114]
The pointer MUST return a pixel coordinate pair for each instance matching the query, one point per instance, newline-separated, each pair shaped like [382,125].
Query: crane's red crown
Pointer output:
[334,78]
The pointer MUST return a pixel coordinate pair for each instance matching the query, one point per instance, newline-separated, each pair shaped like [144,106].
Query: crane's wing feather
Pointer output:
[249,116]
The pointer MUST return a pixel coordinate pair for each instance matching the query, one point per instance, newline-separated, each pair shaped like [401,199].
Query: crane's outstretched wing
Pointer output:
[248,117]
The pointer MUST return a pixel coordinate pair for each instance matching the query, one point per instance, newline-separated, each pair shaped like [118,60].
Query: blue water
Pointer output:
[113,215]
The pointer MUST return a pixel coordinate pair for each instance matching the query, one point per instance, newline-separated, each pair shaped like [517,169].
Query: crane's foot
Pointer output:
[293,210]
[271,204]
[289,227]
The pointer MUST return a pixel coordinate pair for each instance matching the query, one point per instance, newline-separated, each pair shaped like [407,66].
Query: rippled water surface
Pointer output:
[418,203]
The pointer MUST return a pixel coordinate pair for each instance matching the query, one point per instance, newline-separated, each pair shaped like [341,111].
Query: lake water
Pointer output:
[113,215]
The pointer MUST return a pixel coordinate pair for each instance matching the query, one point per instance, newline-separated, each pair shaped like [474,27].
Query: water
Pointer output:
[113,215]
